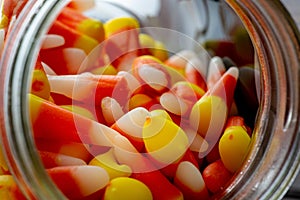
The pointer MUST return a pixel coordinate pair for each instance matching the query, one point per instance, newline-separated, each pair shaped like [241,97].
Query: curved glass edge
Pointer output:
[273,162]
[18,58]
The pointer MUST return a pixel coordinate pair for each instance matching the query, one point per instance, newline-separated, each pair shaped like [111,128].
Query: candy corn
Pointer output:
[69,127]
[127,188]
[164,140]
[190,66]
[111,110]
[114,116]
[122,41]
[160,187]
[233,147]
[68,60]
[216,176]
[54,160]
[174,104]
[189,179]
[214,107]
[52,41]
[72,149]
[195,73]
[152,73]
[142,100]
[215,71]
[91,89]
[76,45]
[79,181]
[108,162]
[73,38]
[80,110]
[131,126]
[179,60]
[152,47]
[170,170]
[83,24]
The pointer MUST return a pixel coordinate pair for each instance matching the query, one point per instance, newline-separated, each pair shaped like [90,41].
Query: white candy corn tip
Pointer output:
[74,58]
[101,134]
[90,179]
[64,160]
[52,41]
[190,176]
[215,71]
[111,110]
[76,87]
[132,82]
[48,70]
[233,71]
[155,78]
[133,121]
[173,104]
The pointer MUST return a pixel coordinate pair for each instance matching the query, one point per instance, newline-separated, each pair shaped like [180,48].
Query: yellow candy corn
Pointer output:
[127,188]
[164,140]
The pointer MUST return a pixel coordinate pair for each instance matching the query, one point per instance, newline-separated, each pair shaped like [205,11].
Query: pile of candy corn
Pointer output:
[115,116]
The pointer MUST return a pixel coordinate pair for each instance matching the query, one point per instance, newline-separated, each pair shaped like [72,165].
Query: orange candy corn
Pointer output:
[67,60]
[76,150]
[91,89]
[225,87]
[215,71]
[111,110]
[76,20]
[50,160]
[70,55]
[189,180]
[51,122]
[159,185]
[79,181]
[238,121]
[194,74]
[131,126]
[152,73]
[209,114]
[73,38]
[170,170]
[216,176]
[190,66]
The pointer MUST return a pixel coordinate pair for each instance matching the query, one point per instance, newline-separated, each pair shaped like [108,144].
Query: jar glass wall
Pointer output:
[273,159]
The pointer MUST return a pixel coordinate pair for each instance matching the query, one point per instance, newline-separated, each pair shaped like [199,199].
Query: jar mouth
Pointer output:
[278,102]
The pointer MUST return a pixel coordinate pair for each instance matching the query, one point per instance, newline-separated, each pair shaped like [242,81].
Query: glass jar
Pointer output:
[273,160]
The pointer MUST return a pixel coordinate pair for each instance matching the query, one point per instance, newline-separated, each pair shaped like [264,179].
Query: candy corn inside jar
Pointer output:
[148,100]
